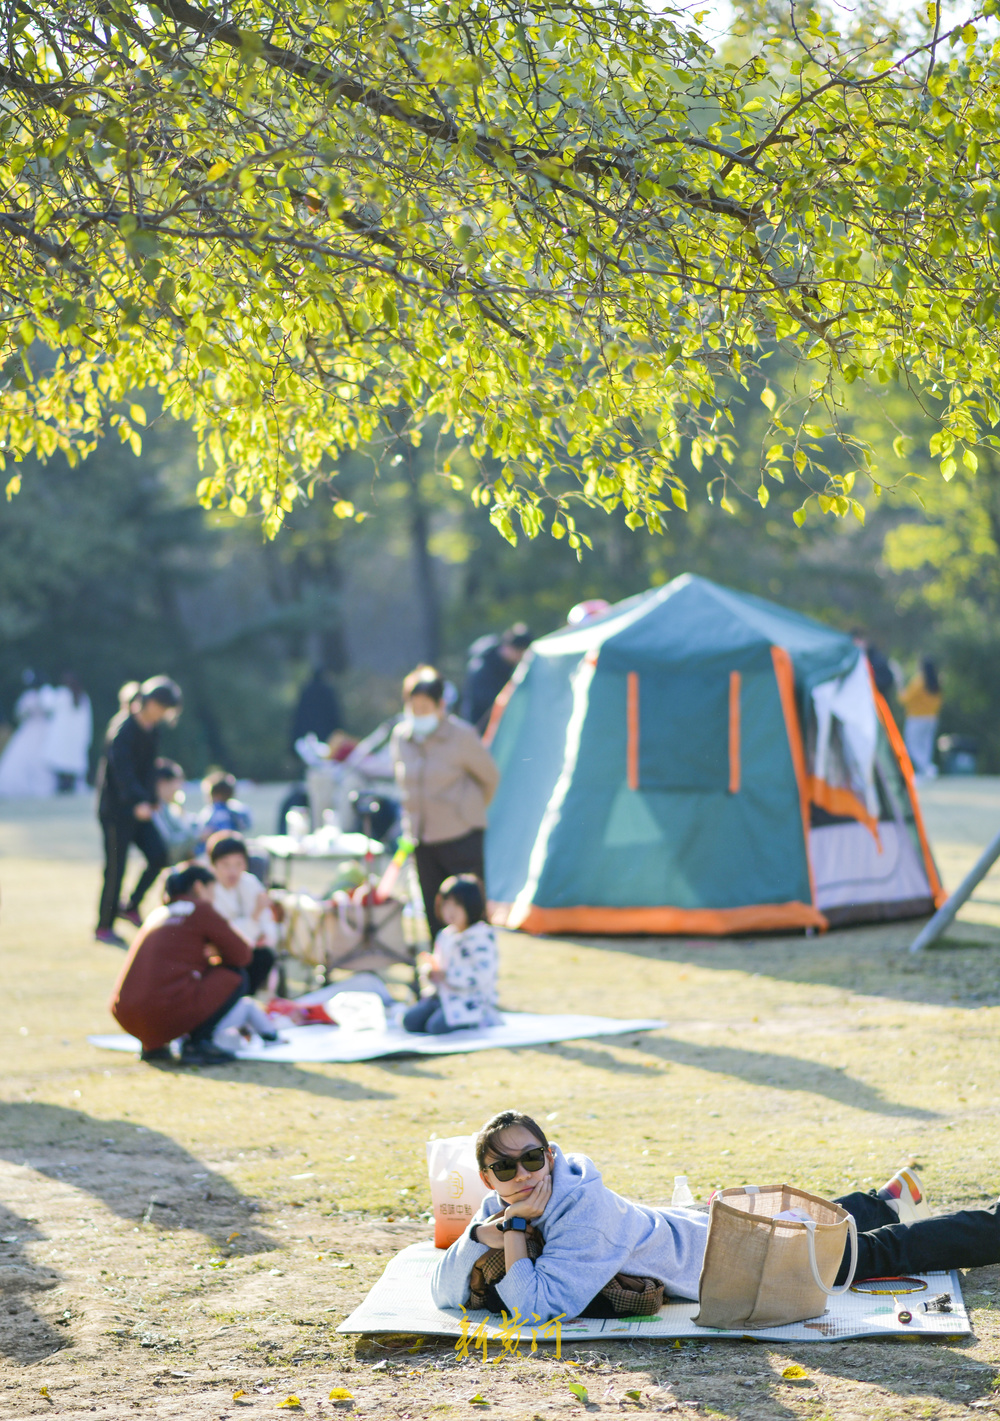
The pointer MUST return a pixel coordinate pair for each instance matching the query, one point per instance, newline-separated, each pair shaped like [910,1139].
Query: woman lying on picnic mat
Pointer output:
[185,973]
[565,1236]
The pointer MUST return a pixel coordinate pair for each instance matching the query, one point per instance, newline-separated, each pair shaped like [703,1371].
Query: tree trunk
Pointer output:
[428,596]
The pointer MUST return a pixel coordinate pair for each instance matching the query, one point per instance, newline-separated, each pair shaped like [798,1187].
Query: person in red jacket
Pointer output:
[185,970]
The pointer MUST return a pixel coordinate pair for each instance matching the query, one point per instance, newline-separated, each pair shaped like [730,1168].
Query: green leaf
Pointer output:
[580,1392]
[799,516]
[768,398]
[948,469]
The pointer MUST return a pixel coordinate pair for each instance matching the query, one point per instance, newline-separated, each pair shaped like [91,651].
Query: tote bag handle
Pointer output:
[852,1229]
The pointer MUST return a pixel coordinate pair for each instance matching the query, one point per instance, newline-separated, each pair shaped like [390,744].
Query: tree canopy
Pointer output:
[572,235]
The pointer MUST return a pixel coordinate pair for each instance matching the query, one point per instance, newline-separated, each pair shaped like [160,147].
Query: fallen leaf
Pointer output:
[580,1392]
[236,1234]
[238,1394]
[634,1395]
[794,1373]
[292,1402]
[478,1400]
[44,1391]
[340,1393]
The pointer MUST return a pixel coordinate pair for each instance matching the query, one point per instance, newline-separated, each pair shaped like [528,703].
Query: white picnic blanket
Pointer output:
[300,1044]
[401,1302]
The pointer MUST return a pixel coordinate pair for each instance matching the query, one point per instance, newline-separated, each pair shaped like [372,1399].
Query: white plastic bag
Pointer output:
[456,1188]
[357,1011]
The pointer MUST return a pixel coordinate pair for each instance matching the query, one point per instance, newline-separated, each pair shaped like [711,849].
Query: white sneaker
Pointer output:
[905,1196]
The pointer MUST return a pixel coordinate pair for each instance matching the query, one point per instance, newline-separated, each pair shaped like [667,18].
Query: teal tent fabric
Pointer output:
[567,830]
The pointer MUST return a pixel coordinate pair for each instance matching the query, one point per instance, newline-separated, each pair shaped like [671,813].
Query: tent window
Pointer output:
[683,730]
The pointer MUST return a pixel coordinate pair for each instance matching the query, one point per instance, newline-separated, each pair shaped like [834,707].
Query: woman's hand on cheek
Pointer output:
[532,1206]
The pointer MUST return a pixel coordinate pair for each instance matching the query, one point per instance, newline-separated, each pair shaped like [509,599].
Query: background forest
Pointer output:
[114,570]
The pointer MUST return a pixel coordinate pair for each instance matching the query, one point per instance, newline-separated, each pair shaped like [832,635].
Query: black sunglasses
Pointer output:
[505,1168]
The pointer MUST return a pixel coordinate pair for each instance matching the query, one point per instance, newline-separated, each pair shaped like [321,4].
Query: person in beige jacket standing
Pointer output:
[446,779]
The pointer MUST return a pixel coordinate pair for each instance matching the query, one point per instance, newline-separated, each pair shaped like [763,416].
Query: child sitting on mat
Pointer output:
[463,966]
[587,1234]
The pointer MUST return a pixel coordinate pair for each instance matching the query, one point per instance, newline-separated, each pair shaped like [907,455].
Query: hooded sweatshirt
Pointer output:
[591,1233]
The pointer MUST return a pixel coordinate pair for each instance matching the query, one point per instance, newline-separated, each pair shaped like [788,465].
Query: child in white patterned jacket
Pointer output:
[463,967]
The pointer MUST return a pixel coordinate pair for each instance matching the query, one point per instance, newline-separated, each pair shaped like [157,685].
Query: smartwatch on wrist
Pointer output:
[517,1224]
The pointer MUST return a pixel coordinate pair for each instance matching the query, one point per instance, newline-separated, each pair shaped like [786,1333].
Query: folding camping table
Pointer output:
[316,848]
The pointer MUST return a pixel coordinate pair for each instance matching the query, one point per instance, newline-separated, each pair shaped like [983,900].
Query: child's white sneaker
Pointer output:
[905,1196]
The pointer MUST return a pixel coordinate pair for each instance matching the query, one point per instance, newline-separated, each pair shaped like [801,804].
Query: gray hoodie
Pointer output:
[591,1233]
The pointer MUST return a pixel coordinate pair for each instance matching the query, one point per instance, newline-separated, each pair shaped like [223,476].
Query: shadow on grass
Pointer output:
[139,1174]
[759,1068]
[278,1075]
[25,1336]
[871,960]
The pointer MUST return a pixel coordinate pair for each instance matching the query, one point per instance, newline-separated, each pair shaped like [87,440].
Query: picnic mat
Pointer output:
[401,1302]
[301,1044]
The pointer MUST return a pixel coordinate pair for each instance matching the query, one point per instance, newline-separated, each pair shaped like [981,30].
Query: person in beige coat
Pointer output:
[446,779]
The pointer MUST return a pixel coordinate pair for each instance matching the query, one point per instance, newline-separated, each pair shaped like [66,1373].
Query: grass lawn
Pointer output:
[170,1238]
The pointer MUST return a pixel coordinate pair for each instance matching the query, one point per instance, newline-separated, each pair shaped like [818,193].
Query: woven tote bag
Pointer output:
[760,1271]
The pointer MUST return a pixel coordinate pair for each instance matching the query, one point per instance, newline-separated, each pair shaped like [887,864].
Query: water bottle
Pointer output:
[682,1193]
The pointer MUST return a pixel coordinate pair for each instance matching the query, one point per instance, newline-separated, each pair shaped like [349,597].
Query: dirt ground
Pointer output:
[184,1243]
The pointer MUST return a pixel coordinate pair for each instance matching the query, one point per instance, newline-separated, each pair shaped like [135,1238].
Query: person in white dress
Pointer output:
[68,734]
[23,771]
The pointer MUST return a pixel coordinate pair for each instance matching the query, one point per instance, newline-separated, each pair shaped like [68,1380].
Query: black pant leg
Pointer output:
[465,855]
[264,959]
[436,862]
[117,832]
[431,876]
[204,1029]
[968,1239]
[149,841]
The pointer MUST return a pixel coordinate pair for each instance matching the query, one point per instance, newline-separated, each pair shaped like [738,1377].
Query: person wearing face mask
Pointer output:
[446,779]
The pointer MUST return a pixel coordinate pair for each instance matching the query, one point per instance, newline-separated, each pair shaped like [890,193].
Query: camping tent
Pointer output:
[699,760]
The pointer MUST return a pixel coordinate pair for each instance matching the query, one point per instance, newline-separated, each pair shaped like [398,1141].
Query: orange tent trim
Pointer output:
[632,745]
[902,755]
[734,732]
[496,714]
[707,922]
[844,803]
[785,677]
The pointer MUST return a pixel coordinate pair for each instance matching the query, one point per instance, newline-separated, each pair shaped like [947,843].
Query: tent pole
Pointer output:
[945,914]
